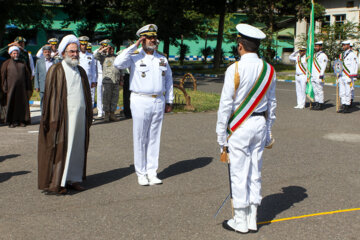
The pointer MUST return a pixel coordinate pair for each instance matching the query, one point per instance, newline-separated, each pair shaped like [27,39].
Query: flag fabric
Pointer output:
[310,54]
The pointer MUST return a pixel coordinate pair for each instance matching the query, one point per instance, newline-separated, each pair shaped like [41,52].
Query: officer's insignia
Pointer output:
[151,28]
[163,73]
[89,58]
[143,75]
[136,52]
[162,62]
[142,64]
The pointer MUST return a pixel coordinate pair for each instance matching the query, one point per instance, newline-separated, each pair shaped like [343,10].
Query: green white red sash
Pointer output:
[317,65]
[247,107]
[345,69]
[301,66]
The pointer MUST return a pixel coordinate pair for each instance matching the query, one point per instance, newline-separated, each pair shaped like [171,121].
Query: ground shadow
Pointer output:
[184,166]
[7,175]
[35,120]
[274,204]
[99,179]
[3,158]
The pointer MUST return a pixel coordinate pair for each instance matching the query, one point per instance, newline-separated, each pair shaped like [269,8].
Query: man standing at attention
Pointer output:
[349,60]
[41,68]
[88,63]
[16,83]
[65,121]
[245,118]
[317,76]
[151,84]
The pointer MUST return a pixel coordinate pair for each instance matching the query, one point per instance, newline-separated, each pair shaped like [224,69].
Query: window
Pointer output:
[340,19]
[350,4]
[326,21]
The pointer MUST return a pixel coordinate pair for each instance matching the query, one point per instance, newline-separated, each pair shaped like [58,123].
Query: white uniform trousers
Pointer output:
[147,114]
[92,90]
[99,95]
[345,90]
[300,85]
[318,87]
[352,89]
[246,147]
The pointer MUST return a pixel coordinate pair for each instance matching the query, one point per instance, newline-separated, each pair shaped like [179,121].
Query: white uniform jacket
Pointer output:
[249,67]
[88,63]
[349,60]
[149,74]
[300,68]
[319,64]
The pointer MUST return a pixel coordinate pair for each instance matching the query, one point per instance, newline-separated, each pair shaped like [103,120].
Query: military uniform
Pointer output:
[349,72]
[317,77]
[151,84]
[246,140]
[26,56]
[87,62]
[300,77]
[54,54]
[111,77]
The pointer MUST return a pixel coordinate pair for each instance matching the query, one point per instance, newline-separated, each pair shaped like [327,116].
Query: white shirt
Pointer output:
[87,62]
[350,61]
[322,60]
[295,56]
[149,74]
[249,67]
[48,63]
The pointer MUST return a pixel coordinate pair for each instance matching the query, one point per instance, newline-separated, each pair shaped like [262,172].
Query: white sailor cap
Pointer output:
[346,42]
[105,42]
[319,43]
[89,46]
[53,41]
[84,40]
[148,30]
[246,30]
[302,48]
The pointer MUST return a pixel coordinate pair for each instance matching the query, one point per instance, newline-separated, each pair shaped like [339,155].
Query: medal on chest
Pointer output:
[142,65]
[143,74]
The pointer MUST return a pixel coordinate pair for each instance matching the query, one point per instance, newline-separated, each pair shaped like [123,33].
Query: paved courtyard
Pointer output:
[312,168]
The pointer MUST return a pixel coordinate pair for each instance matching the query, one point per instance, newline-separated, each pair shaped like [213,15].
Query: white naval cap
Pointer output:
[148,30]
[319,43]
[302,48]
[84,40]
[13,48]
[71,38]
[246,30]
[346,42]
[53,41]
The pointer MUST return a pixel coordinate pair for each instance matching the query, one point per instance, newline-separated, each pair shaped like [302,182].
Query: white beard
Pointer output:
[150,48]
[71,62]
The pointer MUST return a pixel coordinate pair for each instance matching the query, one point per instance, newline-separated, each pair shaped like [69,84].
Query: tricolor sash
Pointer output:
[317,65]
[301,66]
[247,107]
[346,71]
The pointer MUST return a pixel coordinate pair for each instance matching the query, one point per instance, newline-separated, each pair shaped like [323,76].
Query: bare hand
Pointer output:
[168,108]
[37,89]
[140,41]
[93,84]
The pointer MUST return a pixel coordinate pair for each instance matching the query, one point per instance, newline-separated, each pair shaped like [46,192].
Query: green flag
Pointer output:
[310,54]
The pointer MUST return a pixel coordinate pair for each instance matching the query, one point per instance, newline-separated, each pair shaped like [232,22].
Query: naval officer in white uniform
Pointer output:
[88,63]
[299,57]
[248,93]
[151,85]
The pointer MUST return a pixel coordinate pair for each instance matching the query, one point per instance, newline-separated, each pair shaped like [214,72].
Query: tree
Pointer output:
[272,13]
[24,14]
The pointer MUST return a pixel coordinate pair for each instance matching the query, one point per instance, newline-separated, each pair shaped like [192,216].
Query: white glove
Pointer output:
[222,140]
[269,140]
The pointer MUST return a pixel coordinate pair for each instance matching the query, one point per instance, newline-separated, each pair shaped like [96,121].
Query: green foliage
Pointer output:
[183,50]
[206,52]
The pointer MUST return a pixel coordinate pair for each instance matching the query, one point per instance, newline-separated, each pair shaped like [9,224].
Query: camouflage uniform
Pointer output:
[111,83]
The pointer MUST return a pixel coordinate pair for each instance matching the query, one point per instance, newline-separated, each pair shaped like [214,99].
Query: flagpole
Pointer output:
[310,55]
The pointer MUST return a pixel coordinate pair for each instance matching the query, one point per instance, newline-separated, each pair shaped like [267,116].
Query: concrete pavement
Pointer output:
[312,168]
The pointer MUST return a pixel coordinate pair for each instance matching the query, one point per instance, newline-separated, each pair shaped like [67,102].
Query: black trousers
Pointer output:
[126,96]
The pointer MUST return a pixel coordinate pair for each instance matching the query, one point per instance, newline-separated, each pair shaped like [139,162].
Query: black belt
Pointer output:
[258,114]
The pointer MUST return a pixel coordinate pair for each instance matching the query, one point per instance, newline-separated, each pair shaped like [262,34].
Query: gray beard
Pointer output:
[150,48]
[71,62]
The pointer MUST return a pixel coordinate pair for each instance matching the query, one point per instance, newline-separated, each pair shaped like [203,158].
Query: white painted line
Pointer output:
[33,131]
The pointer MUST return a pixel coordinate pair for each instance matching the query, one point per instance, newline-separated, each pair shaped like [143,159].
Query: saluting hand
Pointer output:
[140,41]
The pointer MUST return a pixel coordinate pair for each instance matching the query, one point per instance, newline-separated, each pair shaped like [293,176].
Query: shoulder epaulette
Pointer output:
[136,52]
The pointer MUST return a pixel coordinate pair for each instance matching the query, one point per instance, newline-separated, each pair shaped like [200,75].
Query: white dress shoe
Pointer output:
[143,181]
[239,222]
[251,217]
[297,106]
[153,180]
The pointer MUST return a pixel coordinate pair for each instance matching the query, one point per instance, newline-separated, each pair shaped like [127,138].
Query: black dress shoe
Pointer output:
[346,109]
